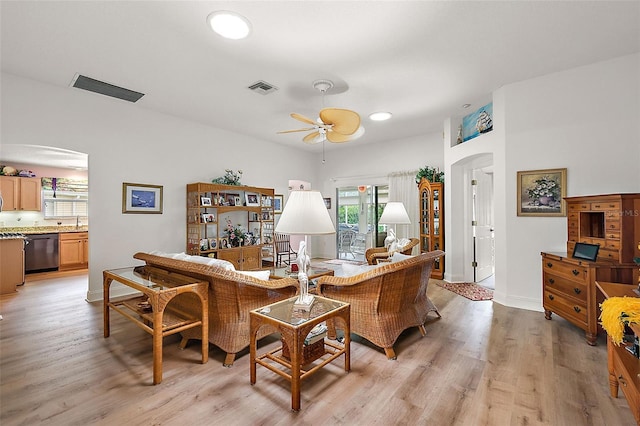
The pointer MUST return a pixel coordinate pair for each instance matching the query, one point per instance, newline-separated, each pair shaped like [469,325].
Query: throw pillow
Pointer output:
[261,275]
[397,257]
[402,243]
[206,261]
[349,270]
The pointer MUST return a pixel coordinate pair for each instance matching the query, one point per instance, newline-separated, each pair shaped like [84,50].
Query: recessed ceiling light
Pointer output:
[229,24]
[380,116]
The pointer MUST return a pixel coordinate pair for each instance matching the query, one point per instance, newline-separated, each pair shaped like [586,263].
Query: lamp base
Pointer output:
[303,302]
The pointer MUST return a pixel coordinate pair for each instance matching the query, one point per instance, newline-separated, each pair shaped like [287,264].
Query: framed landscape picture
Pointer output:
[542,192]
[141,198]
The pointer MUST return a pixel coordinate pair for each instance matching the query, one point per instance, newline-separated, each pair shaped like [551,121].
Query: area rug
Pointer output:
[343,261]
[471,291]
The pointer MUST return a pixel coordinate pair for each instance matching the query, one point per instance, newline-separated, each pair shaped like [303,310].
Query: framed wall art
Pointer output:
[278,203]
[541,192]
[327,202]
[141,198]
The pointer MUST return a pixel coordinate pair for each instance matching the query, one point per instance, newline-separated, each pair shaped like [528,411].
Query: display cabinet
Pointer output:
[432,222]
[233,223]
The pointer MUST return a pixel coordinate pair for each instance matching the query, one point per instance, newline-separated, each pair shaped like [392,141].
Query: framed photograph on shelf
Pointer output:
[213,243]
[141,198]
[237,200]
[207,218]
[223,243]
[230,200]
[327,202]
[278,203]
[542,192]
[205,201]
[251,199]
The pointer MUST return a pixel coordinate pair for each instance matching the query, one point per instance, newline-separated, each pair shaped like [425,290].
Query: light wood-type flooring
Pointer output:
[481,364]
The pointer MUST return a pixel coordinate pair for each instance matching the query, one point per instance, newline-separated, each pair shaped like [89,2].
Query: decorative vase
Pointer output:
[544,201]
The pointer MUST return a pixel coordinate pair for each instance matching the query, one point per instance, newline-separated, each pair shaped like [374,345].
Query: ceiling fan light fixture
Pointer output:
[229,24]
[380,116]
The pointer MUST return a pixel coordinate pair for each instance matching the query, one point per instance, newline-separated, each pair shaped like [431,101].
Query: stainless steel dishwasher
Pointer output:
[41,252]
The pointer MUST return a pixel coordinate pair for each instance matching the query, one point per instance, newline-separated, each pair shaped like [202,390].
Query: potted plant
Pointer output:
[429,173]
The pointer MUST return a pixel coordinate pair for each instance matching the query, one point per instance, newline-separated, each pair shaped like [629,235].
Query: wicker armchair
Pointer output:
[231,296]
[377,254]
[386,300]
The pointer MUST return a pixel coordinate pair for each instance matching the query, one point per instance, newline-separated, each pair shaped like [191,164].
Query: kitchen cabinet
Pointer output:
[11,264]
[74,250]
[21,193]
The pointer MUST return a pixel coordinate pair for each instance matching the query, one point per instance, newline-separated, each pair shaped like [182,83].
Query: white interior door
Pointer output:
[483,225]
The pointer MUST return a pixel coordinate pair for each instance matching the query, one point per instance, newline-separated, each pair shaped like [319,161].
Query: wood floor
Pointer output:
[481,364]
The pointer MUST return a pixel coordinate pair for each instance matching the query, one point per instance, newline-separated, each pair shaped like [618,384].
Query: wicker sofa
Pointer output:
[375,255]
[231,296]
[386,300]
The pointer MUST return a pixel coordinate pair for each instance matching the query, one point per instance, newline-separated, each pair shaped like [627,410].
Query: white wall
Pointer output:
[584,119]
[128,144]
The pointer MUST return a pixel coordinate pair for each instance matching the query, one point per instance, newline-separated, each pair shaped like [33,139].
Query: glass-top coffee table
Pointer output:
[312,273]
[294,325]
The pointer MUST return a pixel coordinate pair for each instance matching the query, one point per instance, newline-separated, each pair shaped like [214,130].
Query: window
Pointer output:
[65,198]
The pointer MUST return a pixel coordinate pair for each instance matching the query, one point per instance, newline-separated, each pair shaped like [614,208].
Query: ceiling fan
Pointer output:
[336,125]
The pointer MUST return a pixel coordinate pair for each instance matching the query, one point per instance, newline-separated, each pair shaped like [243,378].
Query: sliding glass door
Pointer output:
[358,211]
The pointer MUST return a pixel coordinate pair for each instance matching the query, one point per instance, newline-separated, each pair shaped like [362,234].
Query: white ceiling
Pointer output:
[421,60]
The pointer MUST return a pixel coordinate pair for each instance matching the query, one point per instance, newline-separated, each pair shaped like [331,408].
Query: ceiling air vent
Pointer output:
[97,86]
[263,87]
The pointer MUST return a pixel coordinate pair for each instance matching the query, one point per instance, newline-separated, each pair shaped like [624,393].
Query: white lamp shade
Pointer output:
[305,214]
[395,213]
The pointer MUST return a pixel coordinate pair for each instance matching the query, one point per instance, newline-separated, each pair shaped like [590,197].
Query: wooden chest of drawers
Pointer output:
[569,290]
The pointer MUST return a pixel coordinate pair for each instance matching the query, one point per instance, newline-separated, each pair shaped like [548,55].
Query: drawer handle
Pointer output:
[577,290]
[622,381]
[577,309]
[551,297]
[551,281]
[549,265]
[575,272]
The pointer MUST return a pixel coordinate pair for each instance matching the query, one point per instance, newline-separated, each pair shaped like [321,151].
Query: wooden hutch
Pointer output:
[432,222]
[210,206]
[569,285]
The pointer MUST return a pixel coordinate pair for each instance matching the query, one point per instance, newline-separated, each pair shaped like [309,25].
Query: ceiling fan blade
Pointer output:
[338,138]
[311,137]
[303,119]
[297,130]
[343,121]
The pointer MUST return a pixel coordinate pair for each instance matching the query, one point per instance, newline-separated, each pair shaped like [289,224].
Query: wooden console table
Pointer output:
[623,367]
[294,325]
[159,287]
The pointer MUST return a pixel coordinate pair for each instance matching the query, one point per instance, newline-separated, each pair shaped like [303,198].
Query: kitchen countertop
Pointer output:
[27,230]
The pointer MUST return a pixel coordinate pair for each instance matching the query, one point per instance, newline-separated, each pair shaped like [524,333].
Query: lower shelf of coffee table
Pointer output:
[171,319]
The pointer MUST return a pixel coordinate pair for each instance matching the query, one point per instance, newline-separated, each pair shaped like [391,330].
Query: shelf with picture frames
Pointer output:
[230,222]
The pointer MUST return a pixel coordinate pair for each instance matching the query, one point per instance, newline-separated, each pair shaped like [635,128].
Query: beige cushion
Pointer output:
[228,266]
[349,270]
[261,275]
[397,257]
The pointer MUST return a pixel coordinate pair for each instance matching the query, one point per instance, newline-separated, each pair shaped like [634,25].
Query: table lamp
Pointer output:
[394,213]
[304,214]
